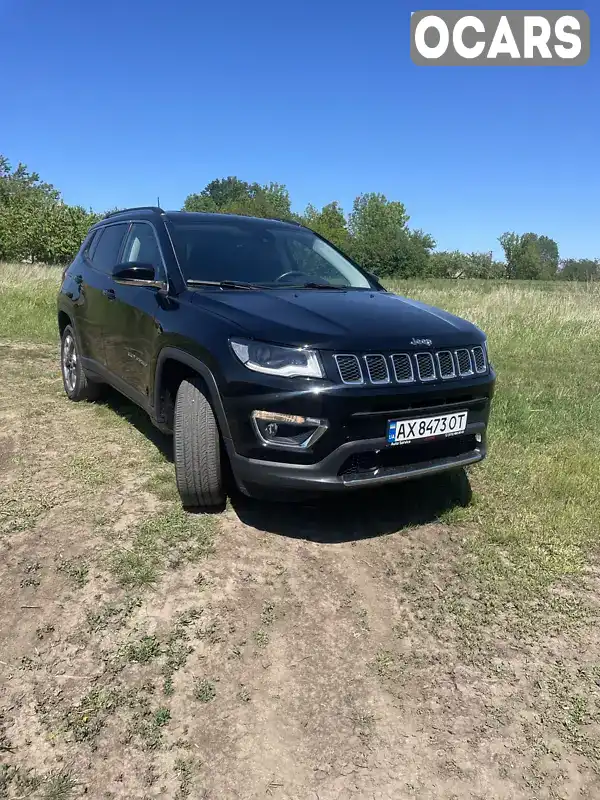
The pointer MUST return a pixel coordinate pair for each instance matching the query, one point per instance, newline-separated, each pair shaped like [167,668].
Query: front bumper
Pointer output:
[330,474]
[354,453]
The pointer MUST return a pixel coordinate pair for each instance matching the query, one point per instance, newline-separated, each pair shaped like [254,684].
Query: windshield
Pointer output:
[260,254]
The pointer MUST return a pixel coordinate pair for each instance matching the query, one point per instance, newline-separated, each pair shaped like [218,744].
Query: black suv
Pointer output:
[263,349]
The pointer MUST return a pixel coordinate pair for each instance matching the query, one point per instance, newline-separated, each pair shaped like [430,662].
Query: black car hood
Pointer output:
[337,320]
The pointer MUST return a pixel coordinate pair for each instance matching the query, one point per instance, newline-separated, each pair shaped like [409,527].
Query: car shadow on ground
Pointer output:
[139,419]
[336,518]
[361,514]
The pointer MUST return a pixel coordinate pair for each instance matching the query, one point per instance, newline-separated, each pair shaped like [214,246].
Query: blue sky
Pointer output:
[118,102]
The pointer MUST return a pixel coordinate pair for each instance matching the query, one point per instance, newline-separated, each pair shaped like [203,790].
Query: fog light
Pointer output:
[478,437]
[287,430]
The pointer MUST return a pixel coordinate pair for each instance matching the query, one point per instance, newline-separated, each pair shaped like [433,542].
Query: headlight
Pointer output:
[272,359]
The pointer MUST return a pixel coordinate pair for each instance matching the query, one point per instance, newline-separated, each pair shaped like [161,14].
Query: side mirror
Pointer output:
[135,273]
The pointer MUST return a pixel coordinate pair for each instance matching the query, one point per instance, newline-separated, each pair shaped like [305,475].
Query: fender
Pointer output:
[69,311]
[198,366]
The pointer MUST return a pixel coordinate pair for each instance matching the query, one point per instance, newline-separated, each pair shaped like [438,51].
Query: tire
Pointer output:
[197,447]
[460,488]
[76,383]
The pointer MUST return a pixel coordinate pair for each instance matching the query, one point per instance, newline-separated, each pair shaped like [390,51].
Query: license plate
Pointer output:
[402,431]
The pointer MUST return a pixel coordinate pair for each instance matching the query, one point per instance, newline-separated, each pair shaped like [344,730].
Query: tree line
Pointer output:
[37,225]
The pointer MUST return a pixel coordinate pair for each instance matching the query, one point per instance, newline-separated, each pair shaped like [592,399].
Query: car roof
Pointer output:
[196,217]
[208,217]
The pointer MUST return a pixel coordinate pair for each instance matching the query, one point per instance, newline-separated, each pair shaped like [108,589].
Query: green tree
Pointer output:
[484,266]
[225,192]
[18,183]
[413,253]
[523,260]
[234,196]
[381,240]
[454,264]
[579,269]
[35,224]
[376,226]
[548,253]
[529,256]
[447,264]
[198,202]
[330,223]
[270,201]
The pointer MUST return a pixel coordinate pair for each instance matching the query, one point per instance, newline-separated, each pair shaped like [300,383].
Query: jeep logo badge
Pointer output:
[421,342]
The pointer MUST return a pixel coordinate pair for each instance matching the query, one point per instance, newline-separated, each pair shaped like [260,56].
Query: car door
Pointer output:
[96,291]
[130,344]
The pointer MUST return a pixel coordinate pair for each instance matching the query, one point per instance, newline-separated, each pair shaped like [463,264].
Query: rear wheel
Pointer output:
[77,385]
[197,448]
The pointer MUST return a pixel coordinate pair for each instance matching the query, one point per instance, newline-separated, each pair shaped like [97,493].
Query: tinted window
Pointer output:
[260,253]
[141,246]
[91,245]
[107,246]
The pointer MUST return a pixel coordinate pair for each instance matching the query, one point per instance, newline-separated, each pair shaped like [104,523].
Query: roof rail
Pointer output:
[135,208]
[289,221]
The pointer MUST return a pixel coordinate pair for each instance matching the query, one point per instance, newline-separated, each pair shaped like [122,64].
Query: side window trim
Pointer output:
[162,265]
[97,238]
[92,243]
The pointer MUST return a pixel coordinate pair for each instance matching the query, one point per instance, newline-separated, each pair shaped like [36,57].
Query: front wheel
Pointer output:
[197,448]
[76,383]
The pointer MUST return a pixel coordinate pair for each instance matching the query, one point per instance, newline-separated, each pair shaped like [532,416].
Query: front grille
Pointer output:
[446,364]
[425,367]
[463,359]
[403,368]
[349,369]
[479,360]
[377,369]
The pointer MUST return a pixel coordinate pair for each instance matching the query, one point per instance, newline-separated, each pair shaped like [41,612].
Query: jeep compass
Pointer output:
[269,355]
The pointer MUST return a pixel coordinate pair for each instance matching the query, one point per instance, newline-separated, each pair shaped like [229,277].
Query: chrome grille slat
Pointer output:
[445,362]
[425,366]
[403,368]
[479,360]
[349,368]
[463,361]
[377,368]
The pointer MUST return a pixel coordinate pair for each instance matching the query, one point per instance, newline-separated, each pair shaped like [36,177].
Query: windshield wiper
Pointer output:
[224,284]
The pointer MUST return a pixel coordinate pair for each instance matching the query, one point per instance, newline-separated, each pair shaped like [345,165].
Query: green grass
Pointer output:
[261,638]
[143,651]
[54,785]
[85,719]
[204,690]
[184,769]
[537,497]
[112,613]
[168,538]
[28,302]
[77,571]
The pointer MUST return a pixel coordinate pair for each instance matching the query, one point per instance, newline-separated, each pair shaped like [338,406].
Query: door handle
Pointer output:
[109,293]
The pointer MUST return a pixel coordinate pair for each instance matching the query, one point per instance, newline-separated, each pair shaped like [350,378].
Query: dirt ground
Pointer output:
[333,650]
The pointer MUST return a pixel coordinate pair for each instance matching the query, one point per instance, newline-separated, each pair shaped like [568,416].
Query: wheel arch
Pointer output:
[63,320]
[173,366]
